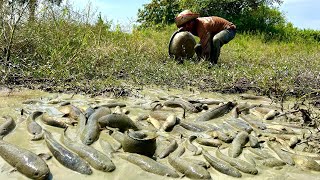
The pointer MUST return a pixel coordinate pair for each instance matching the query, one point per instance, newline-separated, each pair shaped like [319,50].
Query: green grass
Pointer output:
[65,54]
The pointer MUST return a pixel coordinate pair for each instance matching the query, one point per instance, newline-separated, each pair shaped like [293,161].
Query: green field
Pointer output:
[60,52]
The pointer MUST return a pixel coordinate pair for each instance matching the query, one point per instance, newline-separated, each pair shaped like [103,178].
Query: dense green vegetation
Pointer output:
[61,51]
[248,15]
[253,16]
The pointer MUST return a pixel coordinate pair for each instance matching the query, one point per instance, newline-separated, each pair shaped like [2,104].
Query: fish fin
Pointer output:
[13,170]
[72,122]
[184,113]
[45,156]
[65,129]
[22,112]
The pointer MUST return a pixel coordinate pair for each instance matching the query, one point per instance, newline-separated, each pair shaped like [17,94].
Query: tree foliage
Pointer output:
[248,15]
[158,12]
[32,5]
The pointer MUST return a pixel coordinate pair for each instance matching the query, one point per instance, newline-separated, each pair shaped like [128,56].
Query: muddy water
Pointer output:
[11,103]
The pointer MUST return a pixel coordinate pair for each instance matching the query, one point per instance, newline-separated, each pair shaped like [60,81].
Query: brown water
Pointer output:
[11,104]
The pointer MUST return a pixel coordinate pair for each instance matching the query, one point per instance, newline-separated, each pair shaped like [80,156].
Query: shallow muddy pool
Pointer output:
[20,103]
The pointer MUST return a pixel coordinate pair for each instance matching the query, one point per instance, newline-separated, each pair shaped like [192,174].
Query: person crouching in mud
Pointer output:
[213,32]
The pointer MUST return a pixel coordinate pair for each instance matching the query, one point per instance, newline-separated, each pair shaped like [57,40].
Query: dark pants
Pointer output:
[217,42]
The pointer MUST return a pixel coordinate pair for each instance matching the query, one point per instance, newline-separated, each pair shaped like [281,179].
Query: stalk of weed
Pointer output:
[75,55]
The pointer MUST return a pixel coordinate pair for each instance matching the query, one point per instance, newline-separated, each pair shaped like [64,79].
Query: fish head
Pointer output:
[108,168]
[42,173]
[88,139]
[85,169]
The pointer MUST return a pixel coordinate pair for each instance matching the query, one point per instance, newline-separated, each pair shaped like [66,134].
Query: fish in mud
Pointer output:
[149,164]
[162,144]
[240,124]
[106,148]
[263,154]
[171,147]
[145,125]
[113,105]
[120,121]
[118,136]
[272,162]
[201,163]
[94,157]
[254,121]
[238,163]
[243,108]
[117,110]
[195,127]
[284,156]
[142,117]
[237,144]
[216,112]
[70,111]
[191,147]
[271,114]
[235,112]
[249,158]
[75,115]
[206,101]
[306,163]
[91,130]
[179,151]
[155,122]
[33,127]
[105,136]
[88,112]
[52,121]
[159,115]
[254,97]
[66,157]
[178,102]
[229,130]
[189,169]
[208,142]
[221,136]
[293,141]
[170,122]
[82,121]
[24,161]
[221,166]
[253,141]
[7,126]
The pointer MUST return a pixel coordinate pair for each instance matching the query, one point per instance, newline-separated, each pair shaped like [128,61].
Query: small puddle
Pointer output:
[16,102]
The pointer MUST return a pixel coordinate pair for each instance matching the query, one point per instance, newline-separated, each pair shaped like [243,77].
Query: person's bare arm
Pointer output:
[206,45]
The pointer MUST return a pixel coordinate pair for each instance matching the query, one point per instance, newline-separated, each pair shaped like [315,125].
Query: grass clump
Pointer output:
[62,52]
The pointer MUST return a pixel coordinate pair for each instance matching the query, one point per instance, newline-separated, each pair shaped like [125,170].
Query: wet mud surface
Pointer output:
[154,104]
